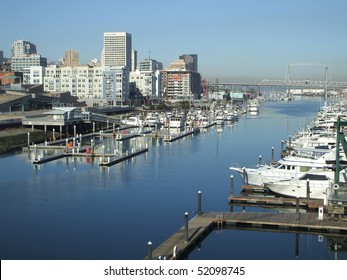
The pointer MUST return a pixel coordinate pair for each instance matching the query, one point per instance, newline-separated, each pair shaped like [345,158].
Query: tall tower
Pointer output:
[71,58]
[191,61]
[117,49]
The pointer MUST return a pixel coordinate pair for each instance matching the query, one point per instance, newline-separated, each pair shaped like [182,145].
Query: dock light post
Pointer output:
[149,249]
[199,203]
[272,154]
[93,127]
[186,227]
[74,131]
[260,159]
[282,144]
[35,151]
[54,134]
[28,139]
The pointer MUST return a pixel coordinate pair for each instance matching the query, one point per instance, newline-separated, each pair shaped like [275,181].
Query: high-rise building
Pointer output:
[180,83]
[71,58]
[24,55]
[191,61]
[150,65]
[1,58]
[23,48]
[117,49]
[133,60]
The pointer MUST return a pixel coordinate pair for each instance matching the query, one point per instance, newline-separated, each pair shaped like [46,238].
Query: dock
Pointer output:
[174,137]
[274,201]
[109,161]
[187,238]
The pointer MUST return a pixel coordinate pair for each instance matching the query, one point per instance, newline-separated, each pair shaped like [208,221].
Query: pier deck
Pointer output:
[200,226]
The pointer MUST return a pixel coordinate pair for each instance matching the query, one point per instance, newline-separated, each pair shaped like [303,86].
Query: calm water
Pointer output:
[73,209]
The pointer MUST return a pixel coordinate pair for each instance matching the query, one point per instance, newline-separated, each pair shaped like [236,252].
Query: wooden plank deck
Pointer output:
[200,226]
[313,204]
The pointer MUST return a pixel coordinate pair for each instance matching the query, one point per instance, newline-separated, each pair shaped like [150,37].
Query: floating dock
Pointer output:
[174,137]
[308,204]
[185,240]
[109,161]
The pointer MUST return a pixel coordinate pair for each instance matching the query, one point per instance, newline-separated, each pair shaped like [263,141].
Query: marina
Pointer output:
[188,237]
[112,213]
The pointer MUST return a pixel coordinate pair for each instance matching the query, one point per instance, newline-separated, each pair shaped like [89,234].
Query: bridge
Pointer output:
[288,82]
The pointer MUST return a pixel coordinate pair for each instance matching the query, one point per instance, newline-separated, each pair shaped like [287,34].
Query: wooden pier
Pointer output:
[185,240]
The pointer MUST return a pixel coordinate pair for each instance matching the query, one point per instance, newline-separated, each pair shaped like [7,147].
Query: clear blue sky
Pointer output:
[236,40]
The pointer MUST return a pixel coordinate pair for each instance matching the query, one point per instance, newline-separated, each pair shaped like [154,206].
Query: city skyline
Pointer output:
[236,41]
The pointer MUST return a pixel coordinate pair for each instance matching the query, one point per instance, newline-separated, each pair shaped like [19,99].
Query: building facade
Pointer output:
[191,61]
[86,82]
[24,55]
[34,75]
[147,82]
[117,50]
[178,83]
[71,58]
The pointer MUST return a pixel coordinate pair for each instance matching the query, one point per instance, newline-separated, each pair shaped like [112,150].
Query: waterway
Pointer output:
[74,209]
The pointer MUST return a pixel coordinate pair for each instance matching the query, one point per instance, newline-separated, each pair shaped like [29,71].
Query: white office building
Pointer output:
[117,51]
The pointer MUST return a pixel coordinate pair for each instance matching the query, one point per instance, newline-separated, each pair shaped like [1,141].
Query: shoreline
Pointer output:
[12,139]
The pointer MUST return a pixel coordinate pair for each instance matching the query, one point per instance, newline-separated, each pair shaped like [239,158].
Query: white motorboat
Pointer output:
[319,182]
[176,122]
[291,166]
[136,121]
[152,120]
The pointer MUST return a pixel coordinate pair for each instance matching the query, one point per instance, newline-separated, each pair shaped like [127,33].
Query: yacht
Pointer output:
[292,166]
[177,122]
[319,181]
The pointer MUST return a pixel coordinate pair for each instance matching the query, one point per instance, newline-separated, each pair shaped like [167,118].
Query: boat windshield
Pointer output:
[315,177]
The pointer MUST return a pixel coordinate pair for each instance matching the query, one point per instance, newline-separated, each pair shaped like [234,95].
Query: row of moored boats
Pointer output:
[308,170]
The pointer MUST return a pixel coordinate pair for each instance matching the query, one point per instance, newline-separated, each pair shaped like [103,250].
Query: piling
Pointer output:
[244,174]
[297,209]
[199,203]
[272,154]
[231,185]
[186,227]
[308,189]
[149,249]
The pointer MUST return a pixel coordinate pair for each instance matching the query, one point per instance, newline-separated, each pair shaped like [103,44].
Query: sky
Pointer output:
[235,40]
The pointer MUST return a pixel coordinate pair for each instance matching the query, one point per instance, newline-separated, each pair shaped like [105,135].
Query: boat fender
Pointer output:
[336,186]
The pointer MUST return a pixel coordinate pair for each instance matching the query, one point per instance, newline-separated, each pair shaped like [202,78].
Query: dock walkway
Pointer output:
[177,246]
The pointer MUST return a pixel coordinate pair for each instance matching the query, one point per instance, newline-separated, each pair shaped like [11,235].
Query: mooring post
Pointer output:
[231,185]
[149,249]
[308,189]
[199,203]
[297,208]
[28,139]
[244,174]
[35,151]
[186,227]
